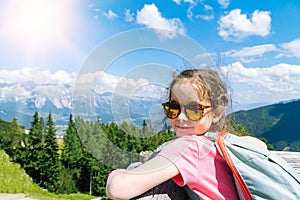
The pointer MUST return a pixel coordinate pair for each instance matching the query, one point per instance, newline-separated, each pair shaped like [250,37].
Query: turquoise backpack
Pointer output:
[258,172]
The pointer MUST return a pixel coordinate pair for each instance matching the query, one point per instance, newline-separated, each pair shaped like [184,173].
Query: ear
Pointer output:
[218,113]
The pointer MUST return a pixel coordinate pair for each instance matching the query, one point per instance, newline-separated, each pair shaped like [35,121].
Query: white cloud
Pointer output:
[177,1]
[192,5]
[88,83]
[236,26]
[207,7]
[190,1]
[126,86]
[110,14]
[190,11]
[250,54]
[129,17]
[291,49]
[224,3]
[150,16]
[36,75]
[17,92]
[63,76]
[258,85]
[208,16]
[101,82]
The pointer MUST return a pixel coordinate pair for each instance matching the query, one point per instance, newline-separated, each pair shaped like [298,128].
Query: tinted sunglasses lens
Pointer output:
[171,110]
[194,112]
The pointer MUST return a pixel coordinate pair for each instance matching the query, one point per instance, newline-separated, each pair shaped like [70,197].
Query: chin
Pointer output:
[180,134]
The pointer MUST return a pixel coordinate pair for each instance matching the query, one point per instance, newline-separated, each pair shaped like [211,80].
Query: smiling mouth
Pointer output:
[182,127]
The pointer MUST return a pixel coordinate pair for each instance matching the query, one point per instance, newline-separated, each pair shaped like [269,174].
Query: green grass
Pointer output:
[13,179]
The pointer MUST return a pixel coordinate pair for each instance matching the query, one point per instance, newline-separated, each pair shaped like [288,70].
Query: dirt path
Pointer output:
[15,197]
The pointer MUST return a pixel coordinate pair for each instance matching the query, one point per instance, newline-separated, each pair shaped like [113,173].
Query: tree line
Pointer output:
[82,161]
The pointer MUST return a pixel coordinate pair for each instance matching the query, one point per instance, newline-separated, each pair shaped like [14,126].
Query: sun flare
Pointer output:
[36,22]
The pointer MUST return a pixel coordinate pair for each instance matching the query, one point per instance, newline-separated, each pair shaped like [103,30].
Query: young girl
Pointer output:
[196,105]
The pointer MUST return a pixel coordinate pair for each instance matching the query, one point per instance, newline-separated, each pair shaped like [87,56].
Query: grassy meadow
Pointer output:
[13,179]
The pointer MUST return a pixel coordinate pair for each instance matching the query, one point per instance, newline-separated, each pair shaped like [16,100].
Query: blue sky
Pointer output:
[257,42]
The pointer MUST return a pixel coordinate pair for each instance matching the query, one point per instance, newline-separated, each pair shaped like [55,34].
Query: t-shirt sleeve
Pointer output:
[183,153]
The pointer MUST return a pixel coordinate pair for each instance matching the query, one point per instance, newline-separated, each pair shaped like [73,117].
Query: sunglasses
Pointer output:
[193,110]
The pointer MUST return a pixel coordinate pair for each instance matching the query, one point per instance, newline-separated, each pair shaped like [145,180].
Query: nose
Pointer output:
[182,116]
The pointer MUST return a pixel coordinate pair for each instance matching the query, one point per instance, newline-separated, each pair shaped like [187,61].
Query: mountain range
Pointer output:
[278,123]
[21,100]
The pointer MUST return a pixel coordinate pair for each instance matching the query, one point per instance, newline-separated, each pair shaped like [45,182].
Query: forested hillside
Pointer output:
[72,166]
[278,123]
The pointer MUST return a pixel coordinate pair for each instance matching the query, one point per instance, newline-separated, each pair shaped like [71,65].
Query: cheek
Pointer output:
[203,125]
[172,122]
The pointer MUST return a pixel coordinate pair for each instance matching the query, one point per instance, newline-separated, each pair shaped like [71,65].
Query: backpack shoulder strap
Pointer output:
[237,176]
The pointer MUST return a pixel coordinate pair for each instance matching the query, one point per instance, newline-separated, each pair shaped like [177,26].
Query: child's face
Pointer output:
[183,93]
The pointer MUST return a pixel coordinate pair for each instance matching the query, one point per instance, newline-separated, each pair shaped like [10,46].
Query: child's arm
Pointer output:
[126,184]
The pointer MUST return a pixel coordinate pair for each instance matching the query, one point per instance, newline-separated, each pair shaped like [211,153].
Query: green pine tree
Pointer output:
[72,154]
[12,139]
[72,150]
[50,167]
[32,156]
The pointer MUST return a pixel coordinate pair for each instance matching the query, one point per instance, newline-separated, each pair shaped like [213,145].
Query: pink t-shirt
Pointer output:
[201,167]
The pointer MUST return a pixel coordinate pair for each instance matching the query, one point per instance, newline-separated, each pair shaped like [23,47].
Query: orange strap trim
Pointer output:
[220,142]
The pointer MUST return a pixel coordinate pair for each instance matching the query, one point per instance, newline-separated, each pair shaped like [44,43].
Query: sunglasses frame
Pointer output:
[200,106]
